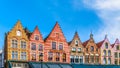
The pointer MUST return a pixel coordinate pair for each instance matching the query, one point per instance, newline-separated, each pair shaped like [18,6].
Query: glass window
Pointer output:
[86,59]
[92,48]
[33,46]
[72,59]
[104,61]
[23,44]
[64,57]
[40,47]
[60,46]
[119,55]
[77,59]
[106,45]
[57,56]
[104,52]
[36,37]
[40,56]
[79,49]
[81,59]
[109,53]
[23,55]
[33,56]
[117,47]
[14,43]
[109,60]
[73,49]
[14,55]
[92,59]
[116,55]
[50,56]
[76,42]
[53,45]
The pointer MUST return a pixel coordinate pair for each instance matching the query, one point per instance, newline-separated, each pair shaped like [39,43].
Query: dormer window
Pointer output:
[117,47]
[106,45]
[36,37]
[92,48]
[76,42]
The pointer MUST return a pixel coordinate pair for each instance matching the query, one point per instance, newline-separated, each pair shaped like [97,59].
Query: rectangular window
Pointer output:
[76,59]
[73,49]
[36,37]
[33,46]
[23,44]
[79,49]
[57,56]
[92,59]
[117,47]
[86,59]
[40,56]
[72,59]
[40,47]
[76,42]
[14,43]
[60,46]
[33,56]
[14,55]
[116,55]
[53,45]
[81,59]
[119,55]
[50,56]
[23,55]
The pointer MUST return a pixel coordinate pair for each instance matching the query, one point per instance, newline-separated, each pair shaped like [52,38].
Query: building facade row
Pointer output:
[22,46]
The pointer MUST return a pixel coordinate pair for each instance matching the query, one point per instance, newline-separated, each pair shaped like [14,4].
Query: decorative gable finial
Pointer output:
[91,35]
[106,36]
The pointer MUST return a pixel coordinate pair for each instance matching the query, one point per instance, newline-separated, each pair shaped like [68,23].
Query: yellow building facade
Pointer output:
[16,46]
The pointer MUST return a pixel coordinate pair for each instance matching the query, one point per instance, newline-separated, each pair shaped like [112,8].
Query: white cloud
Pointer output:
[109,12]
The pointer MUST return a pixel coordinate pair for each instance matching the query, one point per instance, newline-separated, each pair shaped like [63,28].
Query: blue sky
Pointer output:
[72,15]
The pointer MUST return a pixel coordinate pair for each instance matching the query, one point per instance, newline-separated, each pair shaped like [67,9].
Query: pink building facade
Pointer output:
[106,52]
[116,52]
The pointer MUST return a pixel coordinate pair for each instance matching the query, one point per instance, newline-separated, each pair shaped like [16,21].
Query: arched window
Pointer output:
[109,53]
[106,45]
[104,61]
[109,60]
[92,48]
[104,52]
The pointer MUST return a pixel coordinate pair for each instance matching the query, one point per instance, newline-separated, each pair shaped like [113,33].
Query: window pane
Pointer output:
[36,37]
[33,47]
[60,46]
[53,45]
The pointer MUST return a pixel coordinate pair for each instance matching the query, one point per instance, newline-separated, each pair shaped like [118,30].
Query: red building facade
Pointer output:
[36,44]
[56,48]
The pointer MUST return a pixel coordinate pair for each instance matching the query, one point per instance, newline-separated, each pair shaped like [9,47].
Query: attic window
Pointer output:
[76,42]
[36,37]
